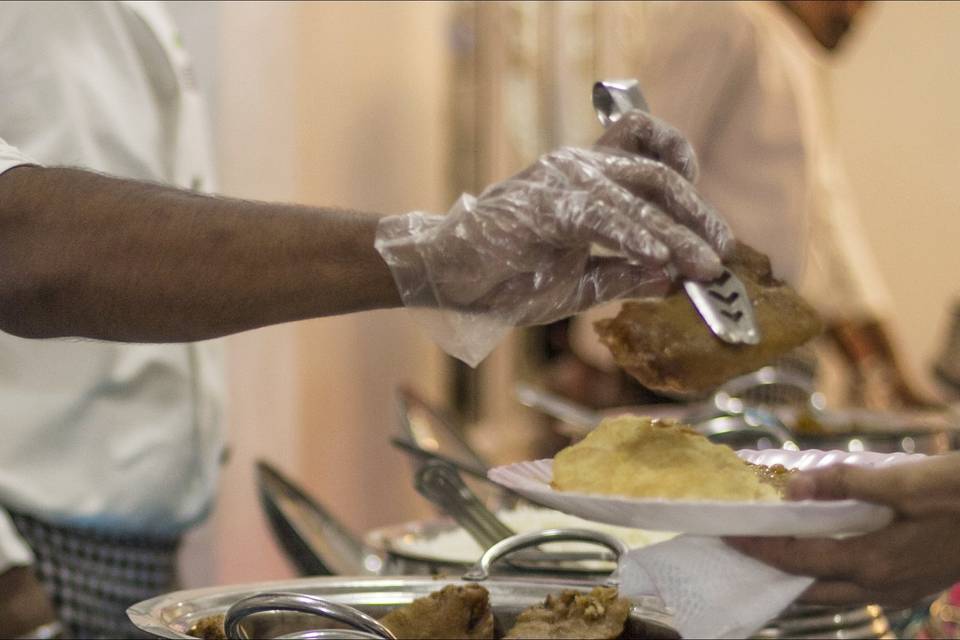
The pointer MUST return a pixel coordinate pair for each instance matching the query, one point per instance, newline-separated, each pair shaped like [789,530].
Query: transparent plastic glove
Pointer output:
[520,253]
[641,133]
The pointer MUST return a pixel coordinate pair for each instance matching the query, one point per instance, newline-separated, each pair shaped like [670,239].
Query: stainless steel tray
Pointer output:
[173,614]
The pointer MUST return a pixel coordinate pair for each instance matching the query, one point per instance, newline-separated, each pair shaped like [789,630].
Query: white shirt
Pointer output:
[744,82]
[115,436]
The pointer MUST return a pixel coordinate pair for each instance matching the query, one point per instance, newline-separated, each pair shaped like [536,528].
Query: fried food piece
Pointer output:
[775,475]
[453,612]
[209,628]
[666,345]
[644,458]
[570,614]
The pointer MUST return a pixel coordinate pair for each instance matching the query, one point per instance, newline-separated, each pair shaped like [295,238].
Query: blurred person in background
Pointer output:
[110,451]
[746,83]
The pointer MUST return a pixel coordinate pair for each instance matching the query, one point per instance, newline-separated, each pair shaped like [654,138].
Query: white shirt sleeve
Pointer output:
[13,550]
[10,157]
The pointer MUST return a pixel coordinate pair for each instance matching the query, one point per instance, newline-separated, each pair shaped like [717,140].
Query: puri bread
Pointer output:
[666,346]
[644,458]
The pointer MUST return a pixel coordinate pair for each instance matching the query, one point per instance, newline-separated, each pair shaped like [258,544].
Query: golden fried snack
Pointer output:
[453,612]
[775,475]
[600,614]
[209,628]
[665,344]
[644,458]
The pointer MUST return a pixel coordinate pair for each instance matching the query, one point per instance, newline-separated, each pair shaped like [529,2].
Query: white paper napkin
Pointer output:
[712,590]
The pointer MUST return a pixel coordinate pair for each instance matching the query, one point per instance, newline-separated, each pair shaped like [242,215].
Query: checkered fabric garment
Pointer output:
[92,578]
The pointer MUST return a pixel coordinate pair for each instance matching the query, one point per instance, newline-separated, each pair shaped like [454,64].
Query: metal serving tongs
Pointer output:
[439,483]
[723,303]
[313,539]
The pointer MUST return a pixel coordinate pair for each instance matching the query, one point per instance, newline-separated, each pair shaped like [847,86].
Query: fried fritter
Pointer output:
[666,345]
[570,614]
[209,628]
[775,475]
[453,612]
[644,458]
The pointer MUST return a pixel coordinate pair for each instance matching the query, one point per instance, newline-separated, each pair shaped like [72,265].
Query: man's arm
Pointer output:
[88,255]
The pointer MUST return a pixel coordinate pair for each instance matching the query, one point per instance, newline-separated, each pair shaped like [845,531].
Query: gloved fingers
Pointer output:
[605,279]
[659,183]
[641,133]
[689,253]
[638,246]
[608,223]
[606,217]
[641,230]
[593,171]
[601,279]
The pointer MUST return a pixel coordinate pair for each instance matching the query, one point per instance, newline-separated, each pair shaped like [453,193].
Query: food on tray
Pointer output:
[572,614]
[645,458]
[453,612]
[776,475]
[209,628]
[465,612]
[665,344]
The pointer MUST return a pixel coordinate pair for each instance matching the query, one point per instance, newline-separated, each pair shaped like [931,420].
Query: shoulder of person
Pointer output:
[709,41]
[38,24]
[718,28]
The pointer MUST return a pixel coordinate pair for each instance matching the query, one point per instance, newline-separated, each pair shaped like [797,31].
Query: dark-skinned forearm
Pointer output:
[92,256]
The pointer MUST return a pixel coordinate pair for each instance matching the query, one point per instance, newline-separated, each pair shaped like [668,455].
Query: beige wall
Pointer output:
[372,114]
[335,104]
[897,91]
[256,127]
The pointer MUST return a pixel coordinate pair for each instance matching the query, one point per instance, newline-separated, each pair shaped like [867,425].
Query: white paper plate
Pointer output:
[714,517]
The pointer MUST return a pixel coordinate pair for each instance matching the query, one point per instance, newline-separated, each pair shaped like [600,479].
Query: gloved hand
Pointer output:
[520,253]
